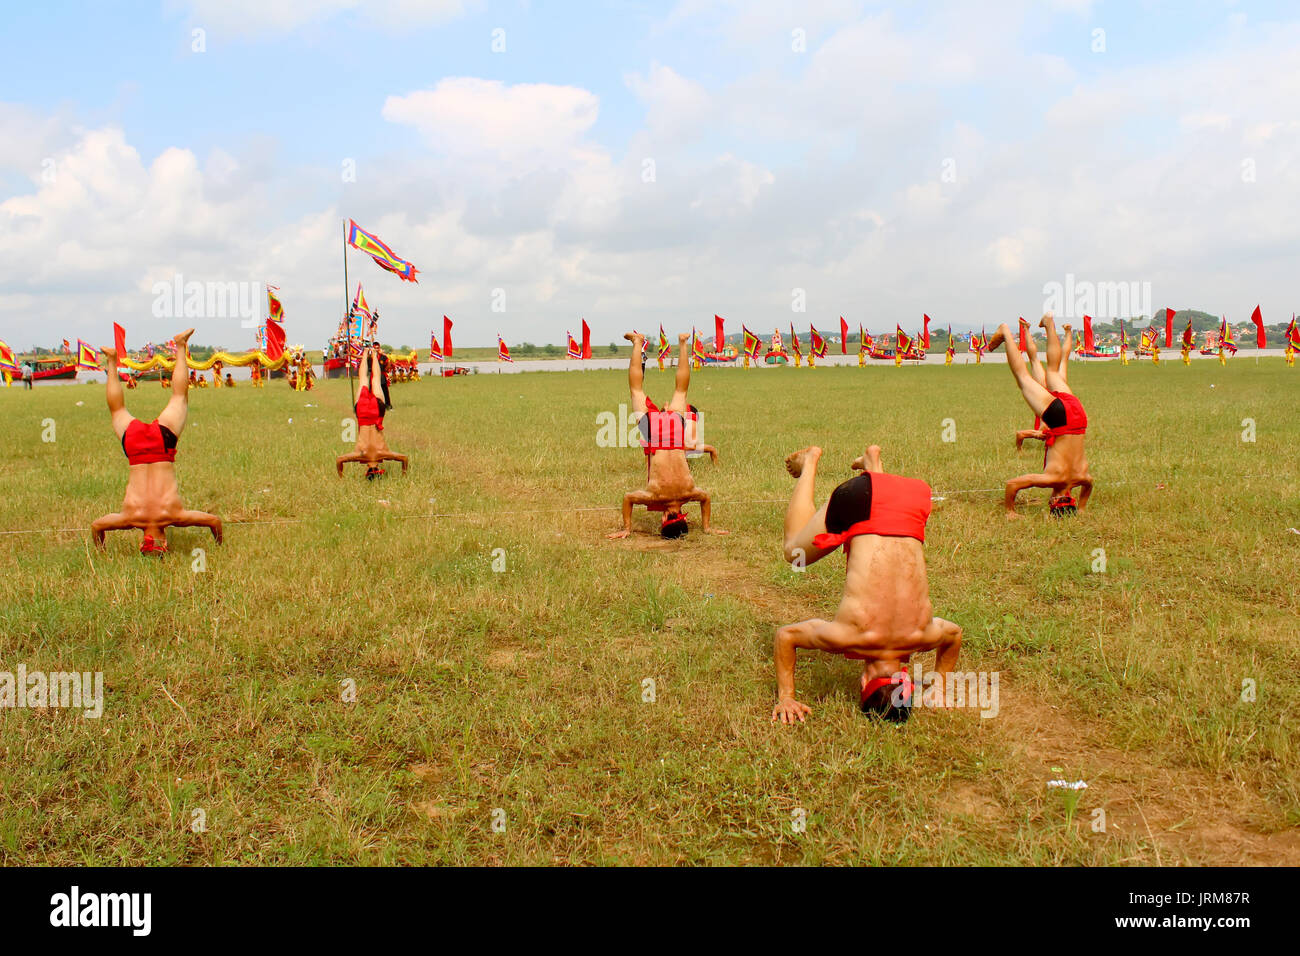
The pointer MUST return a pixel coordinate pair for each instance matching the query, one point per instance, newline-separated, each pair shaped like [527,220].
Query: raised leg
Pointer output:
[1036,396]
[113,392]
[803,519]
[635,373]
[177,410]
[682,382]
[1035,367]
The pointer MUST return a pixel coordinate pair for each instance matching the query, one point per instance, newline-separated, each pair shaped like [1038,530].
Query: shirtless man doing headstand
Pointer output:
[669,484]
[885,614]
[152,501]
[372,404]
[1064,420]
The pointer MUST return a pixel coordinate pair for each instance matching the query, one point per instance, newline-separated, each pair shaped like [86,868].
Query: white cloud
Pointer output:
[253,17]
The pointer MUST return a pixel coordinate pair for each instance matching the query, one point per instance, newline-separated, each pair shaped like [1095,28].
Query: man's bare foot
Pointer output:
[1012,516]
[183,337]
[1045,320]
[868,461]
[1067,328]
[110,355]
[795,462]
[1001,335]
[634,337]
[623,533]
[683,339]
[715,531]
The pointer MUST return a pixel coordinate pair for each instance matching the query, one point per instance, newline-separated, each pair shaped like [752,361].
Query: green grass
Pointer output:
[523,690]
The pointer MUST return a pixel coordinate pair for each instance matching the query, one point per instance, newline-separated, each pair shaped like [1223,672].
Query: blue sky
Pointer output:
[776,169]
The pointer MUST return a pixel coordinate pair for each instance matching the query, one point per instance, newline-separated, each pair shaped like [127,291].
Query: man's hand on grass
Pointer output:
[790,711]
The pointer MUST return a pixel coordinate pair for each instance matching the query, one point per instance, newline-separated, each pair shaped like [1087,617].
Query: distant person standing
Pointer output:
[28,374]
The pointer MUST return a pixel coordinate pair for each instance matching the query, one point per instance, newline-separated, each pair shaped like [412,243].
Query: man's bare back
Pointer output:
[885,615]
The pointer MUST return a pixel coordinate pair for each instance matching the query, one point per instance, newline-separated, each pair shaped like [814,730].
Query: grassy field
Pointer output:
[499,715]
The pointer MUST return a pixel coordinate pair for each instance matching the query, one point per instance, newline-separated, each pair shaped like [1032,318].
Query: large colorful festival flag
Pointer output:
[752,342]
[925,332]
[503,350]
[446,336]
[376,249]
[664,348]
[586,340]
[794,341]
[8,361]
[1261,337]
[1169,327]
[844,336]
[86,357]
[818,347]
[950,350]
[719,335]
[697,346]
[1293,334]
[903,342]
[435,350]
[574,350]
[274,309]
[1189,335]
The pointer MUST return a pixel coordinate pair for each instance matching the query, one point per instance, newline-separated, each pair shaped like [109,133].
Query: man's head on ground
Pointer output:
[1062,505]
[886,692]
[674,525]
[154,542]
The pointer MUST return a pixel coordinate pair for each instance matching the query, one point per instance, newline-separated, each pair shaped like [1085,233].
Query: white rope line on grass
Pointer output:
[537,511]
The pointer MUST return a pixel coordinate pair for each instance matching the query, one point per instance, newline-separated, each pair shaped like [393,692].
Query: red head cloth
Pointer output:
[1169,327]
[1260,338]
[844,336]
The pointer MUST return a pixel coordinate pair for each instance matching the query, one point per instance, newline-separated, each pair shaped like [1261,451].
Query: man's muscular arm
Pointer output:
[706,513]
[627,517]
[109,522]
[1017,485]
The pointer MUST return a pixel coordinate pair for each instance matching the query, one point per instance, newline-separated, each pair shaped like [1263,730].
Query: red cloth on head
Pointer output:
[1076,420]
[144,443]
[900,507]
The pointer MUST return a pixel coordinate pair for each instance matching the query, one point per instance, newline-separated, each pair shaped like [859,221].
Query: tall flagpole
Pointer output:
[347,317]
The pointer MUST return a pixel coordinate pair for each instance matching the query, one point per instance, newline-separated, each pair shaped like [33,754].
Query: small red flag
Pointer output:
[844,336]
[1088,340]
[925,332]
[719,337]
[119,340]
[1260,338]
[1024,335]
[1169,327]
[446,336]
[586,340]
